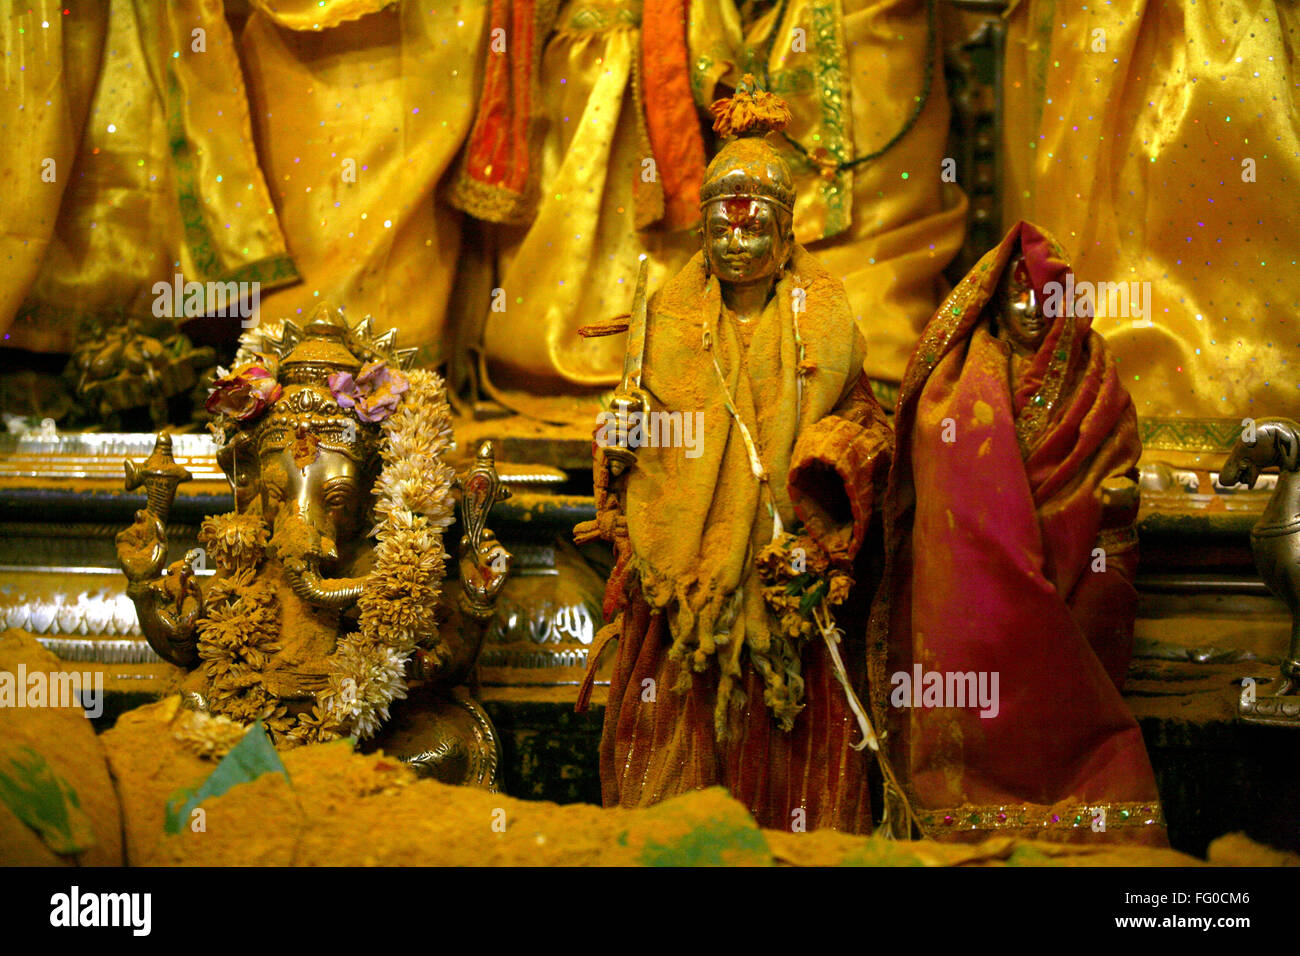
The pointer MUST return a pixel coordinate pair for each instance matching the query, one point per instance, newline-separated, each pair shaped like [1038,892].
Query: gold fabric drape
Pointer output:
[50,67]
[167,177]
[1132,132]
[141,105]
[316,14]
[357,122]
[576,263]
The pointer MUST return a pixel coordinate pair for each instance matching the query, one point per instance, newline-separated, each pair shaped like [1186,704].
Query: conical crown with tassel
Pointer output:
[749,167]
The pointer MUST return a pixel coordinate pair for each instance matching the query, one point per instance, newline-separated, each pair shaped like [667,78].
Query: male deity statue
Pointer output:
[328,587]
[728,668]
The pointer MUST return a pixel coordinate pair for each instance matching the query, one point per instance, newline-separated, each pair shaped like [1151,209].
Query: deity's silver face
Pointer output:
[744,240]
[1020,317]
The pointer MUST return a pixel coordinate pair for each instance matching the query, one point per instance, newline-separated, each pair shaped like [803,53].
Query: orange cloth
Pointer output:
[671,120]
[498,178]
[842,460]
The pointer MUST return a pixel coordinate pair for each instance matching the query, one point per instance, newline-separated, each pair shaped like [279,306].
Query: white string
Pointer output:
[755,463]
[799,352]
[832,635]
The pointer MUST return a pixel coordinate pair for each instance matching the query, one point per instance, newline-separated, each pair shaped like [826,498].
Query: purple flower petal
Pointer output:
[372,372]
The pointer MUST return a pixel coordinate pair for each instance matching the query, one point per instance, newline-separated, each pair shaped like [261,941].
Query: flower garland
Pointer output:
[205,735]
[800,586]
[399,598]
[240,623]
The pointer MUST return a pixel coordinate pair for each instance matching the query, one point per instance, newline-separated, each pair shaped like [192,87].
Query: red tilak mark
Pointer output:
[740,212]
[1020,272]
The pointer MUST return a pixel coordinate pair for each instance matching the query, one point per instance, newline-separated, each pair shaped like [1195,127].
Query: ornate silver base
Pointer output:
[1270,711]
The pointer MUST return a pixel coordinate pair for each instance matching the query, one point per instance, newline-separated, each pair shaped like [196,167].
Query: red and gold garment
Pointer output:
[993,513]
[686,530]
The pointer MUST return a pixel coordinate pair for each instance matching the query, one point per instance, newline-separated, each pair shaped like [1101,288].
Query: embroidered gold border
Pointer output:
[1033,418]
[1029,816]
[492,203]
[1215,435]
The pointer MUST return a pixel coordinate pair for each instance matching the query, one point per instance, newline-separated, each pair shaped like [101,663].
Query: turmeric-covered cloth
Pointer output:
[1000,565]
[686,578]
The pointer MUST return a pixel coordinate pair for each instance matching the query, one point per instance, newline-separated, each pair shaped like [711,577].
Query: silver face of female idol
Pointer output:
[1020,318]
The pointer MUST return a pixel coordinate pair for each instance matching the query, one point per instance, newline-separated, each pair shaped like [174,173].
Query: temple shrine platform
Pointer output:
[1205,621]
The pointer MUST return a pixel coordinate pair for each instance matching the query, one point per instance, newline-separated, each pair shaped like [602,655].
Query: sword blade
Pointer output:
[636,330]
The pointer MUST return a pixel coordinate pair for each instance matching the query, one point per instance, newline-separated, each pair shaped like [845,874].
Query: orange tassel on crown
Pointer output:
[749,112]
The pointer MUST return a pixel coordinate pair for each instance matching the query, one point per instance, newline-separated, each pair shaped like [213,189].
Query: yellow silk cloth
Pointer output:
[577,262]
[1135,157]
[851,71]
[315,14]
[356,124]
[161,178]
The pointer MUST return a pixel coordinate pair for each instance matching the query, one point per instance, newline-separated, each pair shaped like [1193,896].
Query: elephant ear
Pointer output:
[1287,444]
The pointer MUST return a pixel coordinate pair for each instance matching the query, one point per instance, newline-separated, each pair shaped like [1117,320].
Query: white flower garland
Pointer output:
[398,600]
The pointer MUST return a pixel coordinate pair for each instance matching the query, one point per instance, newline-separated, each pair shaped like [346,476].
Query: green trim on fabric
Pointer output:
[832,83]
[272,272]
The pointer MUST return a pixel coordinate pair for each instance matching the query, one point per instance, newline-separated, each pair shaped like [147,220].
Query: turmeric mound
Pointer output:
[333,806]
[57,803]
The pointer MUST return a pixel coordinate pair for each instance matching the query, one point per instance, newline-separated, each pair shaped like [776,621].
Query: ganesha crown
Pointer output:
[281,339]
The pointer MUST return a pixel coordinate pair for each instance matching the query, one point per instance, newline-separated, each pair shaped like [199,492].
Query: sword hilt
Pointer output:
[627,401]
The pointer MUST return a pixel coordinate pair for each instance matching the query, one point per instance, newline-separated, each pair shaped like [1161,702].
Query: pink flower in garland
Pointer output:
[375,391]
[245,393]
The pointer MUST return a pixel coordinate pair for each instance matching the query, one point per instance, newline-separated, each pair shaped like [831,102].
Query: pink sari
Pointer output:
[993,524]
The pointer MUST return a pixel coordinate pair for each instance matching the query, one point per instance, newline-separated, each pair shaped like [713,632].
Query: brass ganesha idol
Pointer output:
[327,602]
